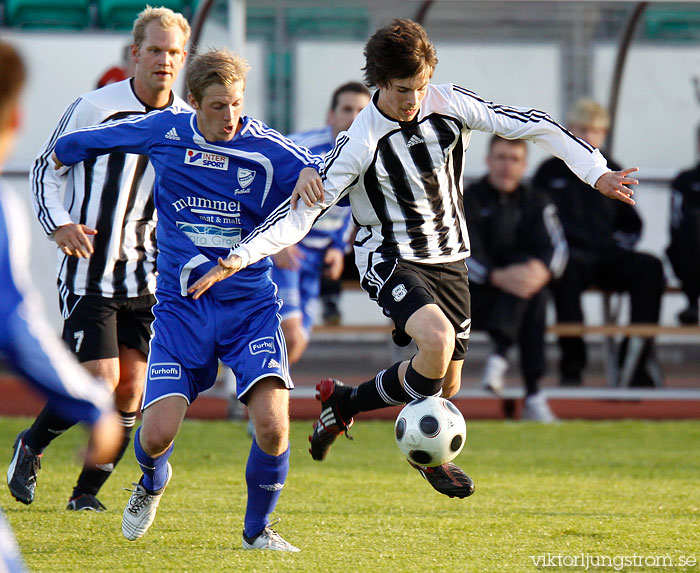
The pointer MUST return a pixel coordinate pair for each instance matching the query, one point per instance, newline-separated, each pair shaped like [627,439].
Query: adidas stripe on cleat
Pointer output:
[330,424]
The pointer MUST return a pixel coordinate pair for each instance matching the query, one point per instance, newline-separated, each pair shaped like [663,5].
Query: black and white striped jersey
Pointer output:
[112,194]
[404,180]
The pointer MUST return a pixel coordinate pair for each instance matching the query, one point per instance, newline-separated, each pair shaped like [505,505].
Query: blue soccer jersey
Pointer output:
[208,196]
[27,342]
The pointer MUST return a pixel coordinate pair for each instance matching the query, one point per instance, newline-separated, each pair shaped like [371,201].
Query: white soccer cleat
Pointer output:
[140,512]
[492,378]
[536,409]
[268,538]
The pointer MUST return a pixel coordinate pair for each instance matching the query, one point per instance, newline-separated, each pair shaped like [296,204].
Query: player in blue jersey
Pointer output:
[298,269]
[218,175]
[27,343]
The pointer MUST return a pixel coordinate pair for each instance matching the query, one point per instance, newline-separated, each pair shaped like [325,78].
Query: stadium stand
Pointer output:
[68,14]
[120,14]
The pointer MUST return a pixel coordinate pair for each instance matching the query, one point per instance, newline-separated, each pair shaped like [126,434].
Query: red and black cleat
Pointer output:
[448,479]
[330,424]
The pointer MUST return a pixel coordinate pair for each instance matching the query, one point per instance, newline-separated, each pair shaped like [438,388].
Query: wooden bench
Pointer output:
[611,331]
[620,375]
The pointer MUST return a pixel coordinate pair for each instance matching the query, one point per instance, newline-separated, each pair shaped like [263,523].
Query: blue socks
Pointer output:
[155,470]
[265,476]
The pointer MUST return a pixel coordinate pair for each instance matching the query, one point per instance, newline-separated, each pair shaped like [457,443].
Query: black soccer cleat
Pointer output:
[330,424]
[448,479]
[85,502]
[21,475]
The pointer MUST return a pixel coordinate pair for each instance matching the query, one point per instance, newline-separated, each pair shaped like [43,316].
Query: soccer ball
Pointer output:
[430,431]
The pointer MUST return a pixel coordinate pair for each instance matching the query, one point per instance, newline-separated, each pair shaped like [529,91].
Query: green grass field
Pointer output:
[569,491]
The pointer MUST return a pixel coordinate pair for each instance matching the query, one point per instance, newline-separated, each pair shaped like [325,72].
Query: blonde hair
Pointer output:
[216,66]
[589,113]
[166,18]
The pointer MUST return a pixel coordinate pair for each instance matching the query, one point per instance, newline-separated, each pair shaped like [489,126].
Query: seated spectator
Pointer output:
[601,236]
[517,245]
[684,249]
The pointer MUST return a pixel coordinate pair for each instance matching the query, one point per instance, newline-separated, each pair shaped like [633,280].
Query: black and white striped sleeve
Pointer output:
[46,182]
[532,125]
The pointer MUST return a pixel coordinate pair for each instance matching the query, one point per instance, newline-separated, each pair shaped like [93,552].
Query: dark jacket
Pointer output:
[594,224]
[507,228]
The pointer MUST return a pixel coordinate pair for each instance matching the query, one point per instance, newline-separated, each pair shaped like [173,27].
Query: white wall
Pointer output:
[659,107]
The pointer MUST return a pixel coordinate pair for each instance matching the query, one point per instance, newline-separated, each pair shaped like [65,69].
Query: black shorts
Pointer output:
[408,286]
[95,326]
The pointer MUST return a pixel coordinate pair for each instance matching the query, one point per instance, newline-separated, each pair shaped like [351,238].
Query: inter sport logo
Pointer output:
[205,159]
[161,370]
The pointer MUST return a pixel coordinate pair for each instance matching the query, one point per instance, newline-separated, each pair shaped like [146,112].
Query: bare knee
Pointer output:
[436,346]
[155,440]
[272,434]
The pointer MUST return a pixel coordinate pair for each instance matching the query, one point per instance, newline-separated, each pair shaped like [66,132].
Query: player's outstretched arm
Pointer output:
[223,270]
[613,184]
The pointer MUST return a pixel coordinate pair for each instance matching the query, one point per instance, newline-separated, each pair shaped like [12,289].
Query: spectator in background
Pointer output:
[601,236]
[298,270]
[684,250]
[118,73]
[517,247]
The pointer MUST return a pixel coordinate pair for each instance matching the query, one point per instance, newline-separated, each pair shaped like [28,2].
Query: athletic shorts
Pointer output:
[190,335]
[408,286]
[95,326]
[299,289]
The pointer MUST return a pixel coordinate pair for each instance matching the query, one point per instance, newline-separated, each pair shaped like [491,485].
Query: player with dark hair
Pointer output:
[103,227]
[27,342]
[298,269]
[517,247]
[401,165]
[219,179]
[684,250]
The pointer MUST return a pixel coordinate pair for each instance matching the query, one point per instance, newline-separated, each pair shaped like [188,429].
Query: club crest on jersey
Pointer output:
[398,292]
[161,370]
[205,159]
[245,177]
[266,344]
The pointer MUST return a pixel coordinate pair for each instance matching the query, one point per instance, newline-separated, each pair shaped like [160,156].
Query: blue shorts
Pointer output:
[190,335]
[299,289]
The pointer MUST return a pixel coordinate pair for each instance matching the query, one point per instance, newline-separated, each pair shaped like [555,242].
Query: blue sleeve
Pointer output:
[130,135]
[28,343]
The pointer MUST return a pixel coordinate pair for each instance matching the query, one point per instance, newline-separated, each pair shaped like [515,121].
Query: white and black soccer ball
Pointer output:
[430,431]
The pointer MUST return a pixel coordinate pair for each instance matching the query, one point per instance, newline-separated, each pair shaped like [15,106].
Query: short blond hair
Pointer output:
[216,66]
[166,18]
[588,113]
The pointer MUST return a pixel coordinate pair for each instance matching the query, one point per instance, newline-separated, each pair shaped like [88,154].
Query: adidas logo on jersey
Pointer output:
[273,364]
[172,134]
[414,140]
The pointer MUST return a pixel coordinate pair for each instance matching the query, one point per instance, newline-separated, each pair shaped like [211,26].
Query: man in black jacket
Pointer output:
[517,246]
[601,237]
[684,250]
